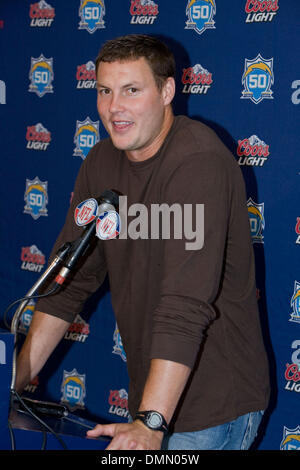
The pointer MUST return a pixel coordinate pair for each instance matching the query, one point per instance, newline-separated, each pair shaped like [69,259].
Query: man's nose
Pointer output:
[116,103]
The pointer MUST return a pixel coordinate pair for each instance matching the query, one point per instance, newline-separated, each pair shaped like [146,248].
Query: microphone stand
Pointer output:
[33,407]
[59,257]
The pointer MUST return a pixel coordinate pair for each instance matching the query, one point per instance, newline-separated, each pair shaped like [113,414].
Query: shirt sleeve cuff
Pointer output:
[174,349]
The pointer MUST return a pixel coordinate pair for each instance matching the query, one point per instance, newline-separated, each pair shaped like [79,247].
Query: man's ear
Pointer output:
[168,90]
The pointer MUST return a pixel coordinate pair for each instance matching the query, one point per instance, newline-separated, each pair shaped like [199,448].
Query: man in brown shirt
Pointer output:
[187,313]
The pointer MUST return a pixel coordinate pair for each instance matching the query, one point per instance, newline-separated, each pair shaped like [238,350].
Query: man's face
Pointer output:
[131,107]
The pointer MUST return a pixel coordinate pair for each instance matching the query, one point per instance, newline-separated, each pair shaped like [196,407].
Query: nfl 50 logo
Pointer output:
[200,15]
[86,136]
[41,75]
[91,14]
[290,439]
[36,198]
[73,389]
[295,303]
[256,220]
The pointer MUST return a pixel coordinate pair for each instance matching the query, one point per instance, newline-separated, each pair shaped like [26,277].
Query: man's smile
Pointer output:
[122,125]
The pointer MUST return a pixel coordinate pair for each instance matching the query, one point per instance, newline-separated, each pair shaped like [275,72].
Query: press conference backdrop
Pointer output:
[238,71]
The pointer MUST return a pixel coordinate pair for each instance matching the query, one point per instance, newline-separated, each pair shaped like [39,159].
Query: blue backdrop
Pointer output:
[238,71]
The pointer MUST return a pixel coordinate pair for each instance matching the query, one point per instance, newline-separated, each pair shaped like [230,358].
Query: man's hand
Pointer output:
[132,436]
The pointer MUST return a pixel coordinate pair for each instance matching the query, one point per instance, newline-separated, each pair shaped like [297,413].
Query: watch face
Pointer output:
[154,420]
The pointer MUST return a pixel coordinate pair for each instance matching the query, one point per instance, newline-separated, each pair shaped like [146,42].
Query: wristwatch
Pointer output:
[153,420]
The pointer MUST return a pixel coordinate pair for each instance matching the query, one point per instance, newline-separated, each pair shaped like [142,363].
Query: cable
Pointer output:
[40,421]
[12,436]
[44,443]
[78,422]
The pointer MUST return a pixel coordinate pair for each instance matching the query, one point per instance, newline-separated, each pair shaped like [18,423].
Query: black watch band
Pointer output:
[153,420]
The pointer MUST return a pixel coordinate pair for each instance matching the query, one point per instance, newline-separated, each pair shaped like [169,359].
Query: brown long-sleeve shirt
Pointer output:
[196,307]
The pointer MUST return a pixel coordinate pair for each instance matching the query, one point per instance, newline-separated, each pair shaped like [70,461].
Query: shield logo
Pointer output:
[86,136]
[73,389]
[200,15]
[91,14]
[257,79]
[295,303]
[41,75]
[257,220]
[291,439]
[36,198]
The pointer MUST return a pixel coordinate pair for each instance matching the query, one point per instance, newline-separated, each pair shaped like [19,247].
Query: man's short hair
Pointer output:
[135,46]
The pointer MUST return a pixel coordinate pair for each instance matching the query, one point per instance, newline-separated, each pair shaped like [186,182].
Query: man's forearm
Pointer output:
[43,336]
[164,386]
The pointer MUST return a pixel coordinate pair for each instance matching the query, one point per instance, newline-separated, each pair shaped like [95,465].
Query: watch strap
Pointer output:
[145,417]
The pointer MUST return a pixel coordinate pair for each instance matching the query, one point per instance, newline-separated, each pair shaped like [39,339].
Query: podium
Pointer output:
[6,354]
[21,431]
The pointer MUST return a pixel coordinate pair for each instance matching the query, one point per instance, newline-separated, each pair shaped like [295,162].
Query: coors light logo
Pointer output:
[78,330]
[86,75]
[32,259]
[42,14]
[259,11]
[252,151]
[143,11]
[292,372]
[297,230]
[38,137]
[118,401]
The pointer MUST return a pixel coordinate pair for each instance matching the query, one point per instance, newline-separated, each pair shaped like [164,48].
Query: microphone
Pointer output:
[86,215]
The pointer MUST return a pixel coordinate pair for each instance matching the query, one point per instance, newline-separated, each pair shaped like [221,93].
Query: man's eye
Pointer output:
[132,90]
[103,91]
